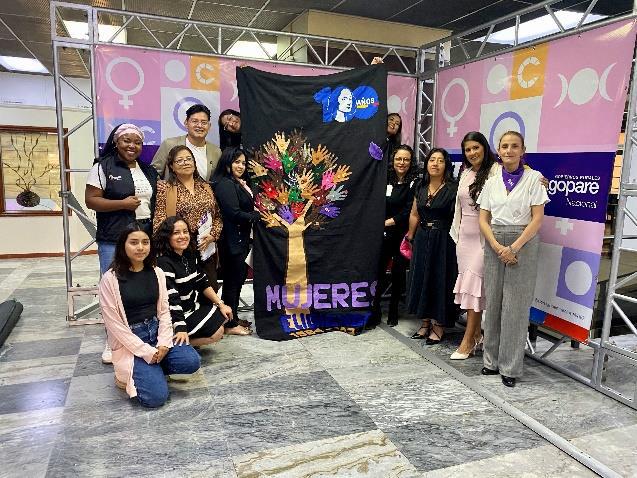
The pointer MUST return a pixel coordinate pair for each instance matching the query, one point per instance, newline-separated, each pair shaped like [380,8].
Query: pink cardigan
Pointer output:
[124,343]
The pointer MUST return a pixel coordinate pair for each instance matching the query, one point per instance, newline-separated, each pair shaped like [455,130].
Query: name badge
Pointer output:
[390,188]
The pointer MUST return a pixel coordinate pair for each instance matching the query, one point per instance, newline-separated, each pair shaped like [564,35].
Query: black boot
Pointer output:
[392,316]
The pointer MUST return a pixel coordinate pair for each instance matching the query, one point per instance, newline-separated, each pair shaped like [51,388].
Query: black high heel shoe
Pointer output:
[427,329]
[438,338]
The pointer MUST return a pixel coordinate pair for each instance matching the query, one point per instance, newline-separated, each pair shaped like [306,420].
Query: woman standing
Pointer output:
[398,201]
[479,165]
[229,129]
[197,311]
[433,265]
[120,189]
[230,183]
[134,305]
[511,213]
[394,137]
[187,195]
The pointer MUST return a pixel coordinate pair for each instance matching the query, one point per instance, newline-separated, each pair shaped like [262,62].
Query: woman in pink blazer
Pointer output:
[134,305]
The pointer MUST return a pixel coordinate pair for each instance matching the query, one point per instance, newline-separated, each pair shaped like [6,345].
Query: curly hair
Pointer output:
[121,263]
[161,238]
[487,162]
[172,177]
[412,172]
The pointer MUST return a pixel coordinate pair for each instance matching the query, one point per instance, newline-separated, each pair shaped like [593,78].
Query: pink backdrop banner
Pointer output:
[561,91]
[567,97]
[153,89]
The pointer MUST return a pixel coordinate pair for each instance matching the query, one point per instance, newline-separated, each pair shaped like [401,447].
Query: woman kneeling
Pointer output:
[134,304]
[197,311]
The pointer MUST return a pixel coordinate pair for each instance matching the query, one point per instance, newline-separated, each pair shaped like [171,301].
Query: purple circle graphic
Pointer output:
[187,99]
[506,114]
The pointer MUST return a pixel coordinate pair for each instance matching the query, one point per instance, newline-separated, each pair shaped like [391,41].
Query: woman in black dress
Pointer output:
[197,312]
[398,200]
[230,185]
[433,265]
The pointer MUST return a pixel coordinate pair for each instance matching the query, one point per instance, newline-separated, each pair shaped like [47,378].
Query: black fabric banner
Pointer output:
[319,178]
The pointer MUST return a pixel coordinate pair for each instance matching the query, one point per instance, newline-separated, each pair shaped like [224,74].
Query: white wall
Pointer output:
[29,100]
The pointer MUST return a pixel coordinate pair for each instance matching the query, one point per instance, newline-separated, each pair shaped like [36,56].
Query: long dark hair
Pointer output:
[224,167]
[448,177]
[172,177]
[161,239]
[395,139]
[487,162]
[412,172]
[121,263]
[228,138]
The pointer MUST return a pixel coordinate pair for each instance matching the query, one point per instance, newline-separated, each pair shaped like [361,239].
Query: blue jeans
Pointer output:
[150,379]
[105,253]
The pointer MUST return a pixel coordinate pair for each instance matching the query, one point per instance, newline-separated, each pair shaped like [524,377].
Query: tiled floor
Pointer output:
[330,405]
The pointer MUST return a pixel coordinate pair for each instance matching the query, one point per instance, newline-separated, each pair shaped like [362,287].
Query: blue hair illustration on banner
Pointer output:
[342,104]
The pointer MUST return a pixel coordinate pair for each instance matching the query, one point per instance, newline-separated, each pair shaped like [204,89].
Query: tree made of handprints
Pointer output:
[298,187]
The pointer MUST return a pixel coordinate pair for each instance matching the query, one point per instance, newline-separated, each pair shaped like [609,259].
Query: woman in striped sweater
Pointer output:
[197,312]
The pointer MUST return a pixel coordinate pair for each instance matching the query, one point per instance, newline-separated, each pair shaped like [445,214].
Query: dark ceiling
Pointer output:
[26,24]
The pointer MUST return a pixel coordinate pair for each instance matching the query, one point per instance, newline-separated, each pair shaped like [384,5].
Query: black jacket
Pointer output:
[120,185]
[237,213]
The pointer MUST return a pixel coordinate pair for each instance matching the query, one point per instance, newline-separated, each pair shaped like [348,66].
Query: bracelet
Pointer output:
[513,251]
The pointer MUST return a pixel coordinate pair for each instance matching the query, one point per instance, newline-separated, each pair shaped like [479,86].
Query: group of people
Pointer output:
[166,231]
[474,245]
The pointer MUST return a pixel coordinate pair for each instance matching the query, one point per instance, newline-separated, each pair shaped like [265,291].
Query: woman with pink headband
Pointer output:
[120,189]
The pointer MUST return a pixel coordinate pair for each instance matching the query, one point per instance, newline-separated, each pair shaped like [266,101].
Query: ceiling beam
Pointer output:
[265,4]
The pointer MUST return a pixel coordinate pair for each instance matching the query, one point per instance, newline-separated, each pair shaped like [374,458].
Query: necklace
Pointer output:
[430,195]
[184,261]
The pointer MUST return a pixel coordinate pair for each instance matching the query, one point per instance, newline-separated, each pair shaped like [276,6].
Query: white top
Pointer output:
[143,189]
[513,209]
[201,159]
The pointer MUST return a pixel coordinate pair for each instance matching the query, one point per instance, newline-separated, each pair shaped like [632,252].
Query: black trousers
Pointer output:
[390,252]
[234,271]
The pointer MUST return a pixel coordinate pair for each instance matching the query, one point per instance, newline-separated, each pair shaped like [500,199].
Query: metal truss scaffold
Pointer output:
[183,36]
[470,46]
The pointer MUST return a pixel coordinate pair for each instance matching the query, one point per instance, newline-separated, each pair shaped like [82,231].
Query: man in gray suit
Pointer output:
[206,154]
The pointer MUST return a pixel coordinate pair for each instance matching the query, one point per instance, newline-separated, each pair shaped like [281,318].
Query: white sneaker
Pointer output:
[107,355]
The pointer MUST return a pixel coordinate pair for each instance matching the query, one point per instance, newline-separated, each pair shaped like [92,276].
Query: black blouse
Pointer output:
[398,204]
[139,292]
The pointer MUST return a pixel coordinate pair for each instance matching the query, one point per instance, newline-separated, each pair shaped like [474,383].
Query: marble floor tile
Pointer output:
[541,462]
[25,452]
[12,422]
[32,328]
[93,390]
[615,448]
[279,391]
[36,370]
[375,347]
[91,364]
[45,279]
[283,426]
[255,367]
[403,403]
[40,349]
[366,454]
[92,342]
[440,441]
[23,397]
[12,281]
[211,468]
[131,451]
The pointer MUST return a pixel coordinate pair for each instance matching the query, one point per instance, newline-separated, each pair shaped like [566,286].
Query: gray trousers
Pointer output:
[509,294]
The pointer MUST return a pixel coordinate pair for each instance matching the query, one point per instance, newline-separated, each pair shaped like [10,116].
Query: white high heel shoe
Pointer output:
[460,356]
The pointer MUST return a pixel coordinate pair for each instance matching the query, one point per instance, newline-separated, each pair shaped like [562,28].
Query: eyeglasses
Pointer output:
[199,122]
[182,161]
[402,160]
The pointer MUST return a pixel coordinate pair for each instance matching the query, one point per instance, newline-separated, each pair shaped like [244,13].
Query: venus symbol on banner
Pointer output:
[126,102]
[583,86]
[452,129]
[183,101]
[507,114]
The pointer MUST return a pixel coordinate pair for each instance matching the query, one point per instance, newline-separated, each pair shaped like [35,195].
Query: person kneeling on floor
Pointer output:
[134,304]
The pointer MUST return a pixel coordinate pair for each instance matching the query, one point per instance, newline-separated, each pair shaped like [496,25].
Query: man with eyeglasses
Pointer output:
[206,154]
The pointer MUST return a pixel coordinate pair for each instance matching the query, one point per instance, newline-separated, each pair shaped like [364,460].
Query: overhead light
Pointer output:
[16,63]
[251,49]
[79,30]
[540,27]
